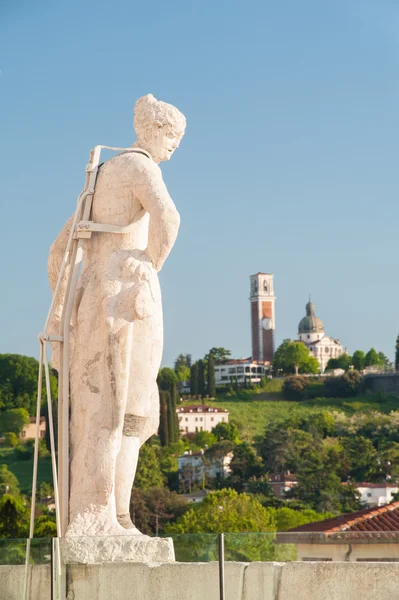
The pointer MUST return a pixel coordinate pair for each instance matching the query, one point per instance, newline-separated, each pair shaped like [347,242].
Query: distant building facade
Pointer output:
[263,320]
[368,535]
[376,494]
[282,483]
[320,345]
[199,417]
[29,430]
[196,467]
[242,371]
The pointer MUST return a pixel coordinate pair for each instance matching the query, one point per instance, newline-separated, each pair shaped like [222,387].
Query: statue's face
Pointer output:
[164,141]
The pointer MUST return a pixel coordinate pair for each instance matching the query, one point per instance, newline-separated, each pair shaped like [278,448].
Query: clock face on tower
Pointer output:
[266,323]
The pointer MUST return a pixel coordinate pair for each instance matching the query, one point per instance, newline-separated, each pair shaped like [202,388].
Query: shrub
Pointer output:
[23,451]
[345,386]
[11,439]
[294,388]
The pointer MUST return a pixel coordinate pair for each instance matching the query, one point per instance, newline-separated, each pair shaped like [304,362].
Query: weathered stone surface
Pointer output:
[199,581]
[140,548]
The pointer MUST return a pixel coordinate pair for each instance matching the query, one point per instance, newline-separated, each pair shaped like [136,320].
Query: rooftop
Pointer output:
[200,408]
[384,518]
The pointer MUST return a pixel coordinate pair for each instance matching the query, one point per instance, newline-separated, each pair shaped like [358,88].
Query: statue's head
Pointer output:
[159,127]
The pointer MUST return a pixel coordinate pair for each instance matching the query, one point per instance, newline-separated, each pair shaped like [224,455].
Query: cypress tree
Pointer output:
[397,354]
[194,379]
[173,421]
[201,378]
[211,377]
[163,418]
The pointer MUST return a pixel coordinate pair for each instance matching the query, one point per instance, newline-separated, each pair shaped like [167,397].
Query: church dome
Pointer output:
[310,323]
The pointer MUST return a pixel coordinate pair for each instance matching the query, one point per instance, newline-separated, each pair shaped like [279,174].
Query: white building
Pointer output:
[311,333]
[240,370]
[199,417]
[376,494]
[194,467]
[29,430]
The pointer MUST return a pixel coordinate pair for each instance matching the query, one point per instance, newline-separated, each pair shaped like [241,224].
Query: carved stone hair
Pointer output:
[149,111]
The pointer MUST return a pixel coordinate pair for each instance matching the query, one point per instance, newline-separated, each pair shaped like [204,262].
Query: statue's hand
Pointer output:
[136,301]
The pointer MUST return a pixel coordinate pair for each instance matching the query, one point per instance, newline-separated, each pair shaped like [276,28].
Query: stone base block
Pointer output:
[137,548]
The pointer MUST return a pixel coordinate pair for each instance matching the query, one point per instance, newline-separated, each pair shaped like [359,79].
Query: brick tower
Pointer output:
[262,316]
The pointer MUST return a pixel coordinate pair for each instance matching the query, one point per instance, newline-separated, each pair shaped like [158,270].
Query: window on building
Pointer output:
[240,369]
[369,495]
[196,418]
[327,350]
[186,419]
[186,429]
[232,370]
[196,429]
[259,370]
[253,369]
[308,337]
[225,378]
[201,418]
[23,434]
[212,419]
[42,434]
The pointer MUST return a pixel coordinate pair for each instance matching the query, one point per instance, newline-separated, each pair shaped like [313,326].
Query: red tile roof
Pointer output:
[381,519]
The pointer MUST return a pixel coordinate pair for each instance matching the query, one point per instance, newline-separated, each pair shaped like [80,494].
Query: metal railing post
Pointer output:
[222,594]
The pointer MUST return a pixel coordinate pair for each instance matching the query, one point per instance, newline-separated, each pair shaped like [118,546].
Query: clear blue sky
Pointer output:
[289,164]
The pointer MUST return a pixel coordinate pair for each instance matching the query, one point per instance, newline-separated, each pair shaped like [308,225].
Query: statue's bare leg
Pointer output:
[141,418]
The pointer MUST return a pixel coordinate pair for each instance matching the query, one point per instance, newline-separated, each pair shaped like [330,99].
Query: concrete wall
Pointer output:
[388,383]
[199,581]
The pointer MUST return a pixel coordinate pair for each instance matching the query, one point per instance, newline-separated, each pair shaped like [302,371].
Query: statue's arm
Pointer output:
[164,218]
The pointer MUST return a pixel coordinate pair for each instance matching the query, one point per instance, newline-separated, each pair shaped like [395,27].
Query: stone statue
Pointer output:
[116,325]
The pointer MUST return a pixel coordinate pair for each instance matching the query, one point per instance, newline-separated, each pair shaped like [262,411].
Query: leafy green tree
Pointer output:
[18,382]
[224,511]
[220,355]
[14,517]
[13,420]
[148,472]
[166,379]
[319,486]
[363,458]
[10,439]
[8,482]
[204,439]
[372,358]
[245,465]
[183,360]
[287,518]
[46,490]
[211,377]
[359,360]
[292,357]
[226,431]
[201,378]
[194,379]
[283,448]
[342,362]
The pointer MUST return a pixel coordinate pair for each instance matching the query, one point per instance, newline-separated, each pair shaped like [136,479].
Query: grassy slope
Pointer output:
[254,414]
[23,469]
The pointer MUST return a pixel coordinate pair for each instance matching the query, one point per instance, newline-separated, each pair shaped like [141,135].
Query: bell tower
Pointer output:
[262,301]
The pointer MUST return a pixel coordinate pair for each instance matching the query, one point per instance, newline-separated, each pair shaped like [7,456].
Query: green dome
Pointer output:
[310,323]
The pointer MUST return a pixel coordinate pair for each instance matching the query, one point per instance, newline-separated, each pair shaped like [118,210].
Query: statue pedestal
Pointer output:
[135,548]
